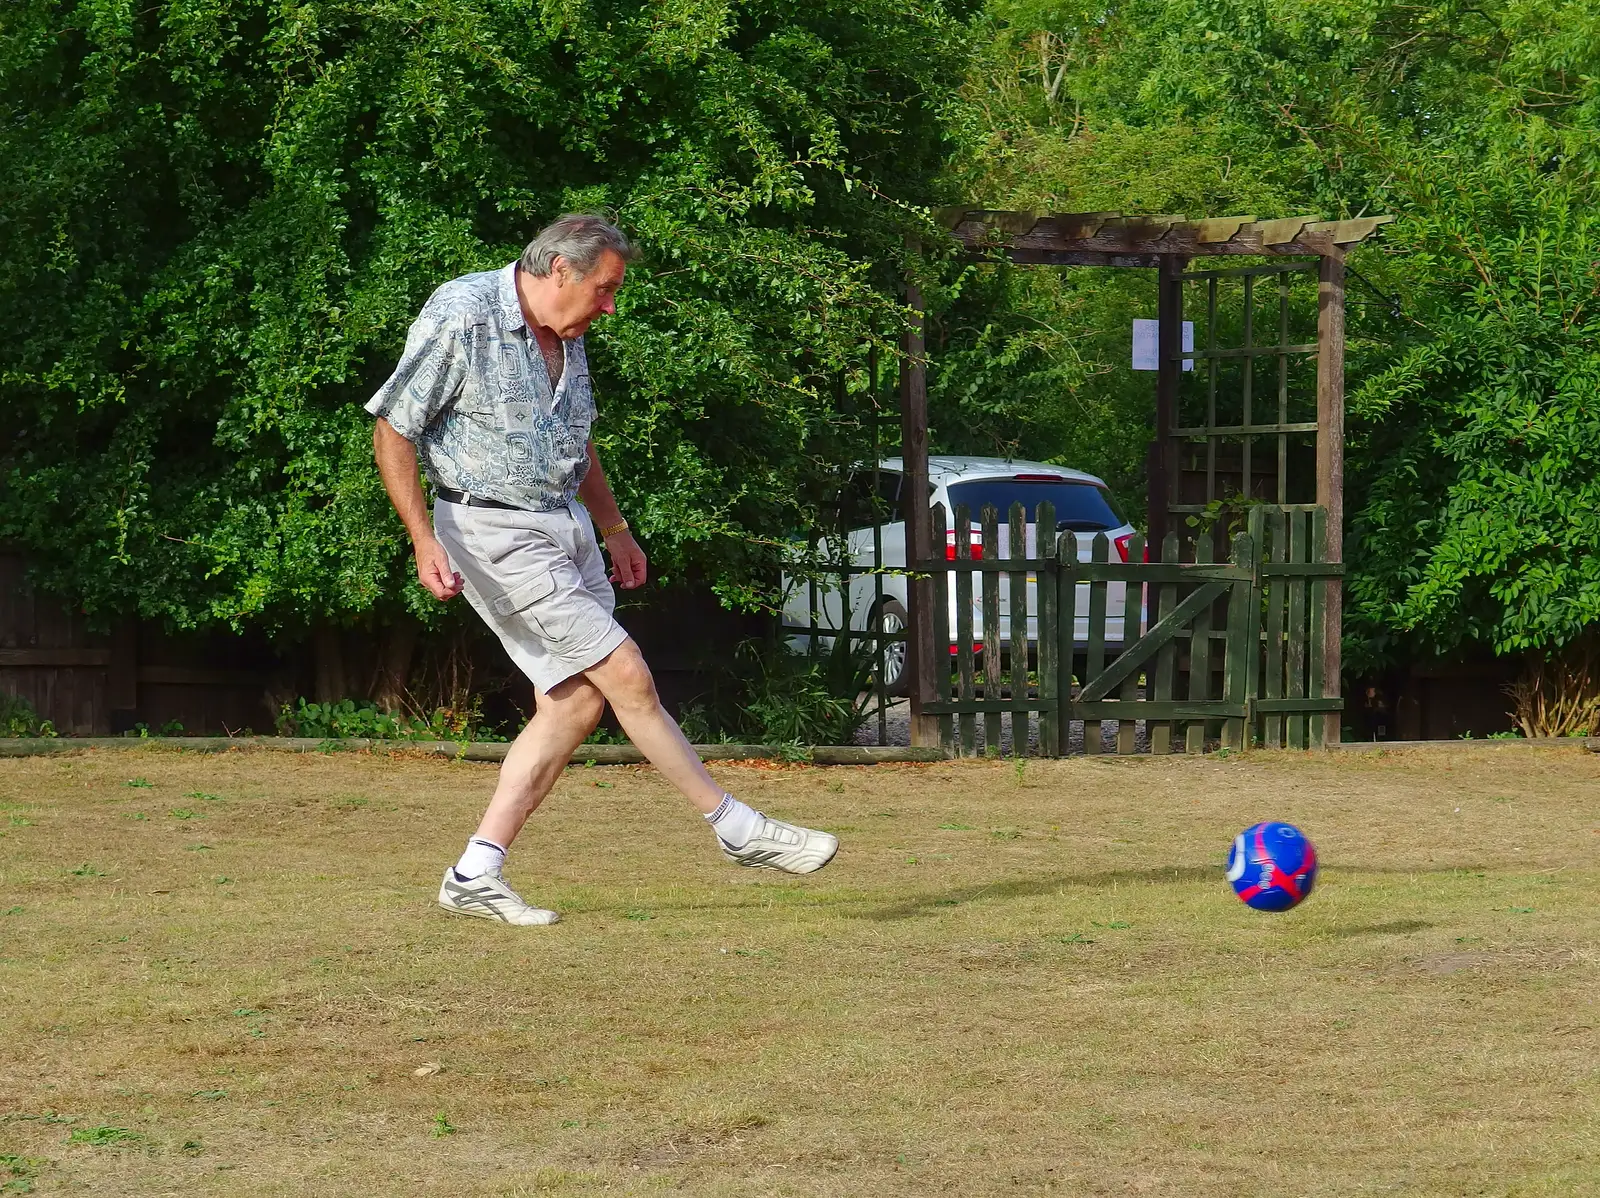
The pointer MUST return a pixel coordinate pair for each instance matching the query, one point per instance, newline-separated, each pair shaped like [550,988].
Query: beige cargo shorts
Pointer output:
[539,580]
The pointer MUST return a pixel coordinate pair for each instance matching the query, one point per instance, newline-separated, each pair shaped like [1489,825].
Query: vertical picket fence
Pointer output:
[1059,647]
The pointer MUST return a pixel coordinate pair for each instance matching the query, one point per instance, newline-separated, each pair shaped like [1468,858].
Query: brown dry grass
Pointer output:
[1003,985]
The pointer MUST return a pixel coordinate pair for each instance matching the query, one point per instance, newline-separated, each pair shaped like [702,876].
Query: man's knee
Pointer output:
[627,679]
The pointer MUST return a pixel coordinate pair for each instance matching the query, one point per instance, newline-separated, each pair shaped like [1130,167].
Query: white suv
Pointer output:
[1082,506]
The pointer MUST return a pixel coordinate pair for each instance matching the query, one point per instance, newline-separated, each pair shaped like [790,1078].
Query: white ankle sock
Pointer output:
[482,857]
[734,822]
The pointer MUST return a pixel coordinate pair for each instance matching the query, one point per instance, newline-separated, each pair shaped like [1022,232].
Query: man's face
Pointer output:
[577,301]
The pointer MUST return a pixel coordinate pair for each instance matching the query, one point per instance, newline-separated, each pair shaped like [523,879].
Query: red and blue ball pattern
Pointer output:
[1272,866]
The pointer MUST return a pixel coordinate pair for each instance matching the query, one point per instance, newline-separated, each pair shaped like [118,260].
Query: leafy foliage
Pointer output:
[349,718]
[820,696]
[225,213]
[18,718]
[1471,508]
[221,216]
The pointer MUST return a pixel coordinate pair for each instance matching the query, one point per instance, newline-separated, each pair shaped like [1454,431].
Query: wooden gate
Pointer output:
[1048,636]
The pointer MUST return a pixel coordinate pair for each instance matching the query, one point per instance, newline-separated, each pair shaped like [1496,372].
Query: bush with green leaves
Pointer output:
[222,216]
[819,697]
[1471,494]
[775,695]
[349,718]
[18,718]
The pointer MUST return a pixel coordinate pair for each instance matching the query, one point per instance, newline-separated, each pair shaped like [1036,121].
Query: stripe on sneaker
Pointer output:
[465,896]
[756,857]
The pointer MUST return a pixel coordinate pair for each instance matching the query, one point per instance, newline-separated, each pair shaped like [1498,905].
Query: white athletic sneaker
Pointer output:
[488,897]
[787,847]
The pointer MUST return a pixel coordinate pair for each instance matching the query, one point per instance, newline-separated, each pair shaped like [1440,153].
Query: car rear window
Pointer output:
[1081,507]
[865,500]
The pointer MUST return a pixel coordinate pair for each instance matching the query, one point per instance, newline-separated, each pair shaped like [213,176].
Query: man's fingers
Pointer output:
[436,576]
[634,567]
[432,583]
[628,563]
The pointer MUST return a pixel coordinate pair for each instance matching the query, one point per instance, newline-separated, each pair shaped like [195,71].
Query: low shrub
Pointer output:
[352,719]
[18,718]
[821,696]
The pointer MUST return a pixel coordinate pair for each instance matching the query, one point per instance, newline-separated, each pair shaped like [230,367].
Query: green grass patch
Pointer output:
[995,989]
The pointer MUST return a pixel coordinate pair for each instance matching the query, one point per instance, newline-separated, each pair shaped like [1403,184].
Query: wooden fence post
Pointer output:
[941,638]
[967,721]
[1330,469]
[1164,676]
[1017,613]
[1095,651]
[1199,658]
[1243,602]
[1066,631]
[1162,486]
[1052,740]
[1133,602]
[920,658]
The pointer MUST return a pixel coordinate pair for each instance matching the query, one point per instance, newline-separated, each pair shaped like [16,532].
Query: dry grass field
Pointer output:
[225,975]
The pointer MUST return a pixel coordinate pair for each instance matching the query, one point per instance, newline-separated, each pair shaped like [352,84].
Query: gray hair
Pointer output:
[581,239]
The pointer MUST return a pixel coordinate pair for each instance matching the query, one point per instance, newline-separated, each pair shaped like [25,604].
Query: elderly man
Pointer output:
[494,388]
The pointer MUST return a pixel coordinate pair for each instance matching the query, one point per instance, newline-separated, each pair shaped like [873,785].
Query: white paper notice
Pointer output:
[1145,355]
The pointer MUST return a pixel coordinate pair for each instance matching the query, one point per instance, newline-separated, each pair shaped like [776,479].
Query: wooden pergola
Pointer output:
[1166,244]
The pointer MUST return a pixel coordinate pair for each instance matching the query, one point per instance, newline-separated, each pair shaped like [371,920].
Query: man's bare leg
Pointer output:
[563,717]
[748,837]
[535,760]
[625,680]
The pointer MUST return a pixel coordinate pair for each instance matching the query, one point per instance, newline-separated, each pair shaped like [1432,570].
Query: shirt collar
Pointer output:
[506,279]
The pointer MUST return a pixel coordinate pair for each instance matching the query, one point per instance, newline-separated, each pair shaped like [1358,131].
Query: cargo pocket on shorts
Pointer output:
[554,623]
[520,598]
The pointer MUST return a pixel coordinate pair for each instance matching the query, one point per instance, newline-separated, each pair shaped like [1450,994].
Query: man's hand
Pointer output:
[628,562]
[434,572]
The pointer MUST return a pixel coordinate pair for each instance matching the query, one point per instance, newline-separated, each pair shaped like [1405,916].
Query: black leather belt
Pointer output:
[462,497]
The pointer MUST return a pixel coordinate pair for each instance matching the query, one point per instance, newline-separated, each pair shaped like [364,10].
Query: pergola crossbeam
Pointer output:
[1030,233]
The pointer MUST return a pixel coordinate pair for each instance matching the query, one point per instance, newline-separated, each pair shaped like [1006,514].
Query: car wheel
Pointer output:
[892,620]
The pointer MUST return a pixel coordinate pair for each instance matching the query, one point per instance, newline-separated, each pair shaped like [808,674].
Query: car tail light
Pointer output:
[1122,547]
[950,544]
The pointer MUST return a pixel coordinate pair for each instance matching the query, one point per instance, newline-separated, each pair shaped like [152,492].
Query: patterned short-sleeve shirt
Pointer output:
[472,392]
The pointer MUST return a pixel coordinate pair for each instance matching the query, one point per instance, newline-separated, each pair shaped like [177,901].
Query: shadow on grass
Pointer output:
[1398,927]
[1034,887]
[1170,874]
[867,905]
[1406,869]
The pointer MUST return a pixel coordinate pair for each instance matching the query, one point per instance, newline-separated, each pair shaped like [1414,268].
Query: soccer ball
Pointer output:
[1272,866]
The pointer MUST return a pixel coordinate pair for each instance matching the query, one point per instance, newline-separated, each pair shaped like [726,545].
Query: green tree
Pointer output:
[1470,486]
[221,215]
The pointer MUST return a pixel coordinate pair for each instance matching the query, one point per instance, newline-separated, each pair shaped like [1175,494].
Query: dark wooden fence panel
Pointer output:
[49,657]
[105,683]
